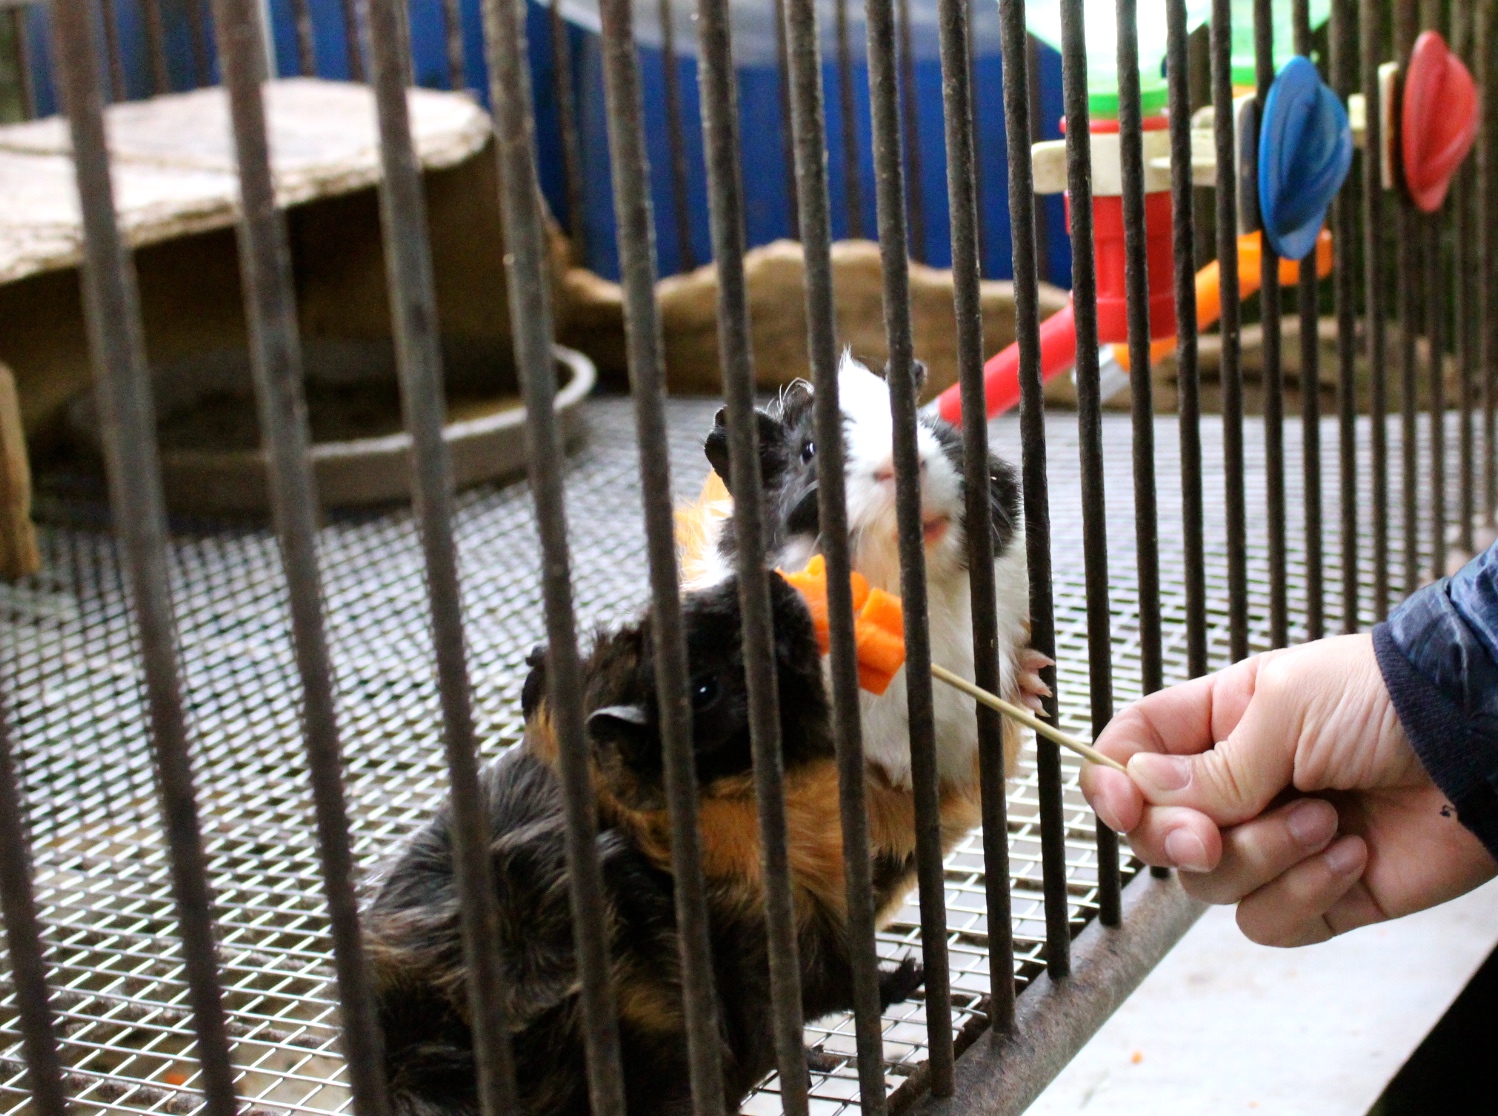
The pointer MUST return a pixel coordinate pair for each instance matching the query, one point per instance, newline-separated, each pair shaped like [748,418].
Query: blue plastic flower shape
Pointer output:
[1305,152]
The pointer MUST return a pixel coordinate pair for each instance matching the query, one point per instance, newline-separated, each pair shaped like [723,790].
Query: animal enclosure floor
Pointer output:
[73,697]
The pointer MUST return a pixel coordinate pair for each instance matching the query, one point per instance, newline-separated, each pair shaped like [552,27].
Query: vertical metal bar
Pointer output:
[805,71]
[1035,111]
[1188,375]
[787,127]
[198,38]
[531,326]
[452,26]
[636,235]
[726,208]
[1406,282]
[1435,329]
[306,41]
[1310,397]
[25,65]
[1274,376]
[270,308]
[1232,355]
[572,152]
[1343,67]
[889,180]
[1462,303]
[1371,43]
[1094,521]
[354,39]
[915,187]
[681,202]
[23,940]
[116,63]
[852,170]
[1487,338]
[962,201]
[1136,278]
[117,348]
[156,45]
[810,126]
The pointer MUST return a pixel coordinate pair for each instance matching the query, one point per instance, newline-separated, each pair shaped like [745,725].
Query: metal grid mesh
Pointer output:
[101,868]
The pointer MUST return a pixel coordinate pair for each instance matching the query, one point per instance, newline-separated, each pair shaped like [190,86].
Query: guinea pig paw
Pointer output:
[1032,690]
[898,984]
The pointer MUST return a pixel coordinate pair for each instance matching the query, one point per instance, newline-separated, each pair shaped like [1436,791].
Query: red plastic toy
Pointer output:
[1439,119]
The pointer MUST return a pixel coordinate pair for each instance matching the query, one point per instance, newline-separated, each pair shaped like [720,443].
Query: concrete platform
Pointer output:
[1225,1026]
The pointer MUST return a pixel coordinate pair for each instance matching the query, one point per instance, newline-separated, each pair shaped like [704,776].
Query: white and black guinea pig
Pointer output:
[788,457]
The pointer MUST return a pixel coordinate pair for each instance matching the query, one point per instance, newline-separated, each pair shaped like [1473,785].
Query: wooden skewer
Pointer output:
[1024,717]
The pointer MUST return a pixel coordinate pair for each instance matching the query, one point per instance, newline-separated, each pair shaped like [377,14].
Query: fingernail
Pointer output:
[1311,823]
[1186,850]
[1342,858]
[1160,773]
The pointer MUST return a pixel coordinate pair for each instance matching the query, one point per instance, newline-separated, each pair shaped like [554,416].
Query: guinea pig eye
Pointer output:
[704,692]
[808,451]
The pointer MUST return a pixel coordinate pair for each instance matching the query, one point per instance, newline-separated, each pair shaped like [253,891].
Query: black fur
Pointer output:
[413,927]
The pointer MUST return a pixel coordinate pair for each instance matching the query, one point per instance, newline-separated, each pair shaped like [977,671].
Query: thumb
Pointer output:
[1230,782]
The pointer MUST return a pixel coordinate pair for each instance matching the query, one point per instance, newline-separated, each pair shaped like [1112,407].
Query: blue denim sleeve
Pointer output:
[1438,652]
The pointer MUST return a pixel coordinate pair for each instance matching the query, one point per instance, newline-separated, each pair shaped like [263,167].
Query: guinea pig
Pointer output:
[413,926]
[788,465]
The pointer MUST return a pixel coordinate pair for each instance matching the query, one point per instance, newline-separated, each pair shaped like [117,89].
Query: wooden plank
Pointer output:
[18,553]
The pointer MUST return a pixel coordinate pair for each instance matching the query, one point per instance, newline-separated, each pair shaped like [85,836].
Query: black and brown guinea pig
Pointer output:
[788,463]
[413,928]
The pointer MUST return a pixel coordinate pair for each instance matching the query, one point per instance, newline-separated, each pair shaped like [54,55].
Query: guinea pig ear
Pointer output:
[772,442]
[534,690]
[918,372]
[715,445]
[626,727]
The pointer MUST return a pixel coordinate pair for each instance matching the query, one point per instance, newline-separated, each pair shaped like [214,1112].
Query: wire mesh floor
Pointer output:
[76,706]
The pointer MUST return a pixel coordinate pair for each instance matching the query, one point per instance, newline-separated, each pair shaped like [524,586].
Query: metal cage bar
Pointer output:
[1178,73]
[306,39]
[1094,528]
[726,208]
[1231,367]
[787,125]
[270,308]
[1343,67]
[1433,227]
[531,326]
[804,70]
[156,45]
[452,41]
[890,197]
[1308,291]
[1407,274]
[25,64]
[848,124]
[909,118]
[1371,46]
[676,138]
[1270,351]
[1463,303]
[636,237]
[1487,298]
[573,178]
[117,351]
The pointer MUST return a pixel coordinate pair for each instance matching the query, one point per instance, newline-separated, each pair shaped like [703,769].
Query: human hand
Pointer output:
[1214,767]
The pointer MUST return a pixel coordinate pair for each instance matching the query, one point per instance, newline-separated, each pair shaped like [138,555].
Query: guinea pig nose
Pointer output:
[885,472]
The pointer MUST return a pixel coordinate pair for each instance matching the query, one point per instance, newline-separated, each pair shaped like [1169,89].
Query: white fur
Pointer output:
[864,398]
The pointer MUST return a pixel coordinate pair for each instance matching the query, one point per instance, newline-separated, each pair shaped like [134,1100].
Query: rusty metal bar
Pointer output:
[572,152]
[1136,277]
[635,221]
[23,941]
[1343,68]
[531,325]
[962,200]
[275,352]
[852,178]
[1406,283]
[1188,373]
[1094,522]
[1231,368]
[889,180]
[804,70]
[915,187]
[117,349]
[676,138]
[726,198]
[1272,360]
[1370,41]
